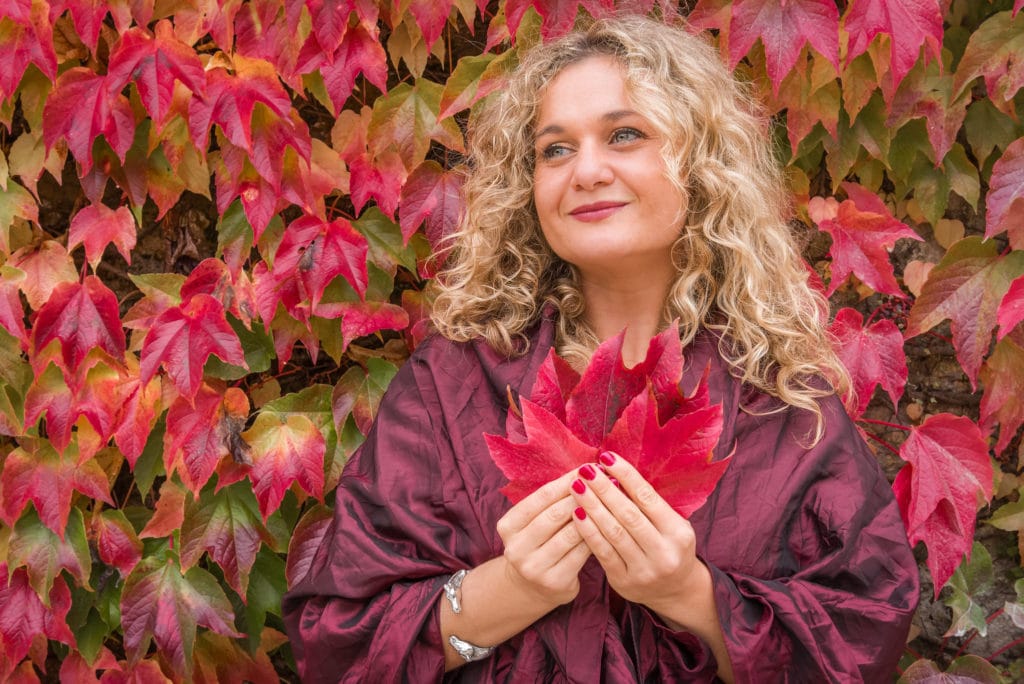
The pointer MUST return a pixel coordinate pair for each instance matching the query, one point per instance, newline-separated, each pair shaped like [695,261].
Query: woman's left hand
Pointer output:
[647,550]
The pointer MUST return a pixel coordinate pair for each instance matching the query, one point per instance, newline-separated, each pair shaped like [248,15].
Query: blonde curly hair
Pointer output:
[739,270]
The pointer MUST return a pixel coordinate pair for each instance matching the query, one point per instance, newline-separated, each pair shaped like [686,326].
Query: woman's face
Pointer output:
[602,195]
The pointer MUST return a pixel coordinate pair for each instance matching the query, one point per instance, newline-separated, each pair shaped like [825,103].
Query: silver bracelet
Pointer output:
[453,590]
[468,651]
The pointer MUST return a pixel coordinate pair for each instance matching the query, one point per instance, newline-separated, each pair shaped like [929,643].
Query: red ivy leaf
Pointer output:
[285,450]
[201,432]
[1005,198]
[12,312]
[45,267]
[360,52]
[638,412]
[88,17]
[26,37]
[365,318]
[431,16]
[47,479]
[908,23]
[158,602]
[966,287]
[863,231]
[784,26]
[431,196]
[938,492]
[226,525]
[184,337]
[96,226]
[116,541]
[169,513]
[154,61]
[83,107]
[558,16]
[305,542]
[873,356]
[1003,400]
[312,253]
[23,615]
[50,394]
[380,178]
[81,316]
[230,100]
[1011,309]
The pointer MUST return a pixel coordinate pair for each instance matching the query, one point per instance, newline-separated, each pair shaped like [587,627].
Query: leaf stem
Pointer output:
[881,441]
[1007,647]
[871,317]
[884,424]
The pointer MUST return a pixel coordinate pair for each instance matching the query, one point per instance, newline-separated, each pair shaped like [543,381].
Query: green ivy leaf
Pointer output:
[968,582]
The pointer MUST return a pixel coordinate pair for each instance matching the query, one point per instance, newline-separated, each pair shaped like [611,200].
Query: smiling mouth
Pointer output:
[596,211]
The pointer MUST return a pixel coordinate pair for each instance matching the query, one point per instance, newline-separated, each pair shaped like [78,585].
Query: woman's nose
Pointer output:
[592,167]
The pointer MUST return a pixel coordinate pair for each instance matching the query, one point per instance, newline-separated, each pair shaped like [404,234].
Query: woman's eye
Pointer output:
[623,135]
[554,151]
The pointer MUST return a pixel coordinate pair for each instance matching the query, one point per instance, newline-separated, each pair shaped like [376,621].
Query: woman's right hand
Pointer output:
[544,551]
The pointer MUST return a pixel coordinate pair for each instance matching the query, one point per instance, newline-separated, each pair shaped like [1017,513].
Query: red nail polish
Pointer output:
[580,513]
[578,486]
[616,482]
[588,472]
[606,458]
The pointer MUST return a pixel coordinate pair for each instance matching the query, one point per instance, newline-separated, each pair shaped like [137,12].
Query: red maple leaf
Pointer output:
[863,231]
[873,356]
[47,479]
[26,37]
[96,226]
[83,107]
[23,615]
[938,492]
[1011,309]
[1005,199]
[200,433]
[966,287]
[88,16]
[784,27]
[432,197]
[640,413]
[154,61]
[183,338]
[908,23]
[81,316]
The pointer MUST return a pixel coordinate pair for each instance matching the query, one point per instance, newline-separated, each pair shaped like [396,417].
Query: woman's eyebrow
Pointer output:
[611,117]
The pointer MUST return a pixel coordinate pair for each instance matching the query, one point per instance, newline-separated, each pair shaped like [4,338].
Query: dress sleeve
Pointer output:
[367,609]
[814,578]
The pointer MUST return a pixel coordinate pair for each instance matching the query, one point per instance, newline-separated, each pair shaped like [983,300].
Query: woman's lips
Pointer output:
[596,211]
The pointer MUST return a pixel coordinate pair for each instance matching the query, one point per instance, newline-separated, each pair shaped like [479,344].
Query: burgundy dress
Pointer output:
[814,579]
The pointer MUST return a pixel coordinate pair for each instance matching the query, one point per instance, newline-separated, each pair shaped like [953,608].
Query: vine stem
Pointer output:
[881,441]
[1007,647]
[884,424]
[872,316]
[988,621]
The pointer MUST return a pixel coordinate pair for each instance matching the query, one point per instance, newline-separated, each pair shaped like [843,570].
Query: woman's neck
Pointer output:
[637,309]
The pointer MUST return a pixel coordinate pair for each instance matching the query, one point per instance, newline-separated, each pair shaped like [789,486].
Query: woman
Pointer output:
[620,181]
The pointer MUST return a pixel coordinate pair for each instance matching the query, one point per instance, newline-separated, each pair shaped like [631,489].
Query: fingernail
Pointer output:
[606,458]
[588,472]
[578,486]
[580,513]
[616,482]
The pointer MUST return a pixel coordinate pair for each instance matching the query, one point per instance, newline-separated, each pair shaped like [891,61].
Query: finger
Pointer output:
[640,492]
[622,513]
[610,540]
[527,510]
